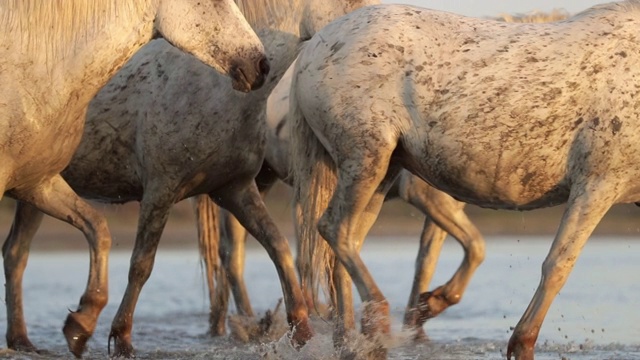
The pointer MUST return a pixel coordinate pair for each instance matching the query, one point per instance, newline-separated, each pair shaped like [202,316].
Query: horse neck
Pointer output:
[79,62]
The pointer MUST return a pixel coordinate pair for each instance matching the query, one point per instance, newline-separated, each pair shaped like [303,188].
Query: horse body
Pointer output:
[513,116]
[54,57]
[444,215]
[167,127]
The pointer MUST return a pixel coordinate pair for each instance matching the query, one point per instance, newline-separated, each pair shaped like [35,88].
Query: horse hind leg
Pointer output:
[154,212]
[431,241]
[447,214]
[585,209]
[15,253]
[345,319]
[55,198]
[245,203]
[342,226]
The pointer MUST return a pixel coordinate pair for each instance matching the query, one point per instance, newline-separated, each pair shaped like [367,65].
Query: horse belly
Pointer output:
[500,179]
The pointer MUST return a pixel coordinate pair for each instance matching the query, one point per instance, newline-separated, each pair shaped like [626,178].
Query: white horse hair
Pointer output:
[166,127]
[54,57]
[505,116]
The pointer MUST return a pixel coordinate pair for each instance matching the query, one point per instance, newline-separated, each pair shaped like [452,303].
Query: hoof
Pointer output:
[375,318]
[302,333]
[520,348]
[430,305]
[76,334]
[375,324]
[21,344]
[121,348]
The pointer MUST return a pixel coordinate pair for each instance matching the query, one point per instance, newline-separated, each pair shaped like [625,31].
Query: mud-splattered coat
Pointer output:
[511,116]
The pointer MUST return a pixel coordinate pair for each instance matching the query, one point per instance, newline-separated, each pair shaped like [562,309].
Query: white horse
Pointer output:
[54,57]
[221,234]
[166,128]
[506,116]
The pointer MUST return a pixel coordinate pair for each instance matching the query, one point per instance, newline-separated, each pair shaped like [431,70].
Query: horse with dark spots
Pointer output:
[479,120]
[166,127]
[54,58]
[444,215]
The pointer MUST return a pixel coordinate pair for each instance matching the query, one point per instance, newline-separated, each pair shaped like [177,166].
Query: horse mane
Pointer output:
[59,25]
[263,13]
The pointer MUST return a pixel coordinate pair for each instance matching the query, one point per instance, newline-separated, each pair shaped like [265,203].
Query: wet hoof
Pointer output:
[76,333]
[430,305]
[21,344]
[302,333]
[217,325]
[420,336]
[413,324]
[121,348]
[375,325]
[520,348]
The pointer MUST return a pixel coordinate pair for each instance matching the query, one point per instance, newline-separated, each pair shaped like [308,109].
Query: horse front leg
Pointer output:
[448,214]
[584,211]
[154,212]
[15,252]
[55,198]
[245,203]
[232,252]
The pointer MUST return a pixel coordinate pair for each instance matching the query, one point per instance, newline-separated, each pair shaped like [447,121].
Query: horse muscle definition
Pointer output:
[54,57]
[507,116]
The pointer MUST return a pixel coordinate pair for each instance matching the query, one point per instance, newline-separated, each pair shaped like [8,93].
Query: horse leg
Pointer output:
[232,253]
[359,180]
[207,217]
[154,212]
[55,198]
[449,215]
[232,247]
[584,211]
[345,319]
[15,252]
[431,241]
[244,201]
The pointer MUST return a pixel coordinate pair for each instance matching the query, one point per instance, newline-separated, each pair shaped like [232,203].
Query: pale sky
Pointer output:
[490,8]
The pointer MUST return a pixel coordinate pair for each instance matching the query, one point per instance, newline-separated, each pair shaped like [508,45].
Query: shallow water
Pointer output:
[594,317]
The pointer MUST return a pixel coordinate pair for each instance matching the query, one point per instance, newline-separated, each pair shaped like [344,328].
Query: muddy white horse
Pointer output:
[221,234]
[167,127]
[505,116]
[54,57]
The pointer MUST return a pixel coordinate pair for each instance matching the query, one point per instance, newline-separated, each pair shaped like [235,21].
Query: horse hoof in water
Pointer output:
[121,347]
[302,333]
[22,345]
[431,304]
[520,348]
[375,325]
[76,334]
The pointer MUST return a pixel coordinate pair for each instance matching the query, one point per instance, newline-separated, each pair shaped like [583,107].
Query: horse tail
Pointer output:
[314,180]
[207,215]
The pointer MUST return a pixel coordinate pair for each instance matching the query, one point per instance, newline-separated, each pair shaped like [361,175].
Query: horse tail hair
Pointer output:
[314,180]
[207,216]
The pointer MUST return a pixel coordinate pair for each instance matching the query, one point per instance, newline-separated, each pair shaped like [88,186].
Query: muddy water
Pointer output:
[595,316]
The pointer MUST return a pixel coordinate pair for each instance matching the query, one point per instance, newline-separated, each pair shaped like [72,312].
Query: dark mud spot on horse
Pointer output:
[577,123]
[336,47]
[616,125]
